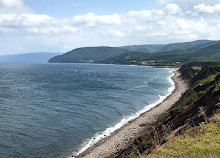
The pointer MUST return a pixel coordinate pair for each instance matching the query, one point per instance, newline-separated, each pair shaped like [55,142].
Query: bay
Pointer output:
[53,110]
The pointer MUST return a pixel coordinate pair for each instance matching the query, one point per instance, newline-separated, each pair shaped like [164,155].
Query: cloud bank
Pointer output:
[13,6]
[172,23]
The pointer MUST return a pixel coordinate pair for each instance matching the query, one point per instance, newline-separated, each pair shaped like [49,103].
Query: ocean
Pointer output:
[56,110]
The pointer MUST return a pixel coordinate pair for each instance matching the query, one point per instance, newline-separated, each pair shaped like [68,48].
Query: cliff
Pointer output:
[196,106]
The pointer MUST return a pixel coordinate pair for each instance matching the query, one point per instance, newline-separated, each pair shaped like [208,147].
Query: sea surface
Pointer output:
[56,110]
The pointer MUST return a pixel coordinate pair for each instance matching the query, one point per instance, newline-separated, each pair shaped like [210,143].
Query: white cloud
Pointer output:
[171,23]
[207,8]
[93,20]
[13,6]
[172,9]
[188,2]
[11,3]
[16,22]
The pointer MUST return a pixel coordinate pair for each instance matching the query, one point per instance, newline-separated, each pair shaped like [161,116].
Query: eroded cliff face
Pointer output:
[187,72]
[196,106]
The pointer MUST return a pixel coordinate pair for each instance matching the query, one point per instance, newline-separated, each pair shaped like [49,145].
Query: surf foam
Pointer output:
[101,135]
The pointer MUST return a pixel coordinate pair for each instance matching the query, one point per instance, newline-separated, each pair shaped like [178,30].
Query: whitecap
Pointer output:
[101,135]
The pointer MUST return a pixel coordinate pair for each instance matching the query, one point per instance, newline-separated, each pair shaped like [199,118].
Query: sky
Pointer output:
[59,26]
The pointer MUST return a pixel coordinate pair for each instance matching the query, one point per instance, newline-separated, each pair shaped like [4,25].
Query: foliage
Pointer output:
[160,55]
[217,87]
[88,55]
[175,54]
[204,81]
[172,113]
[144,48]
[196,68]
[198,142]
[134,156]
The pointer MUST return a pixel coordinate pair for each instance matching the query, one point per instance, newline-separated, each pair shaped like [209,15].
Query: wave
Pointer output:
[101,135]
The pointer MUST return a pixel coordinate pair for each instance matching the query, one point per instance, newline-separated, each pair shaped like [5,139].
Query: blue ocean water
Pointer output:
[53,110]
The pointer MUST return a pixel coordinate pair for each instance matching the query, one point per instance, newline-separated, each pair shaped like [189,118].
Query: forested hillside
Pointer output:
[171,54]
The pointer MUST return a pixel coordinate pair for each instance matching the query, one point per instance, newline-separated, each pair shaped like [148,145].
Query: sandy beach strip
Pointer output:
[126,134]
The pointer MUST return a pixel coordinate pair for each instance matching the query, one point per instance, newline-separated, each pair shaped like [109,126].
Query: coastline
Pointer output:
[120,138]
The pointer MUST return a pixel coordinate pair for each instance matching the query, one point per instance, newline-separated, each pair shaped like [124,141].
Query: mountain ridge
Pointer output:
[170,54]
[88,54]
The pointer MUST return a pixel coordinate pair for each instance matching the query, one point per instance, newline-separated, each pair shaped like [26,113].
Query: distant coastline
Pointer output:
[126,133]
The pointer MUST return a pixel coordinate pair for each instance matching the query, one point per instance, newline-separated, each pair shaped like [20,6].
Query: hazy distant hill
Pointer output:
[28,58]
[144,48]
[88,55]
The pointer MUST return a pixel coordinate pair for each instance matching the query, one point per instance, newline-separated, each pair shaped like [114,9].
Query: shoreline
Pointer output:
[121,137]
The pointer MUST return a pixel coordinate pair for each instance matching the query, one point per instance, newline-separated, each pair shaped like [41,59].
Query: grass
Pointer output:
[217,87]
[198,142]
[196,68]
[134,156]
[205,81]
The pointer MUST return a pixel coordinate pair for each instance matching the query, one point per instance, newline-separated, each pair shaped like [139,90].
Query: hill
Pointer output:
[183,45]
[171,54]
[202,52]
[144,48]
[88,55]
[40,57]
[155,48]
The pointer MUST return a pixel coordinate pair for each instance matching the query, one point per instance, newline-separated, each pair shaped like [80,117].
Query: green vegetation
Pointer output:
[134,156]
[196,68]
[88,55]
[217,87]
[173,113]
[159,55]
[144,48]
[173,54]
[205,81]
[185,122]
[185,45]
[197,142]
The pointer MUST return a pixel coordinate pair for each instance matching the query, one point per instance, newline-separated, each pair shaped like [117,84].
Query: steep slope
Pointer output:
[144,48]
[88,55]
[156,48]
[209,53]
[199,142]
[183,45]
[200,53]
[195,108]
[201,46]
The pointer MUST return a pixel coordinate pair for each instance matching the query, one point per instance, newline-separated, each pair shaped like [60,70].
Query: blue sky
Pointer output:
[68,8]
[59,26]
